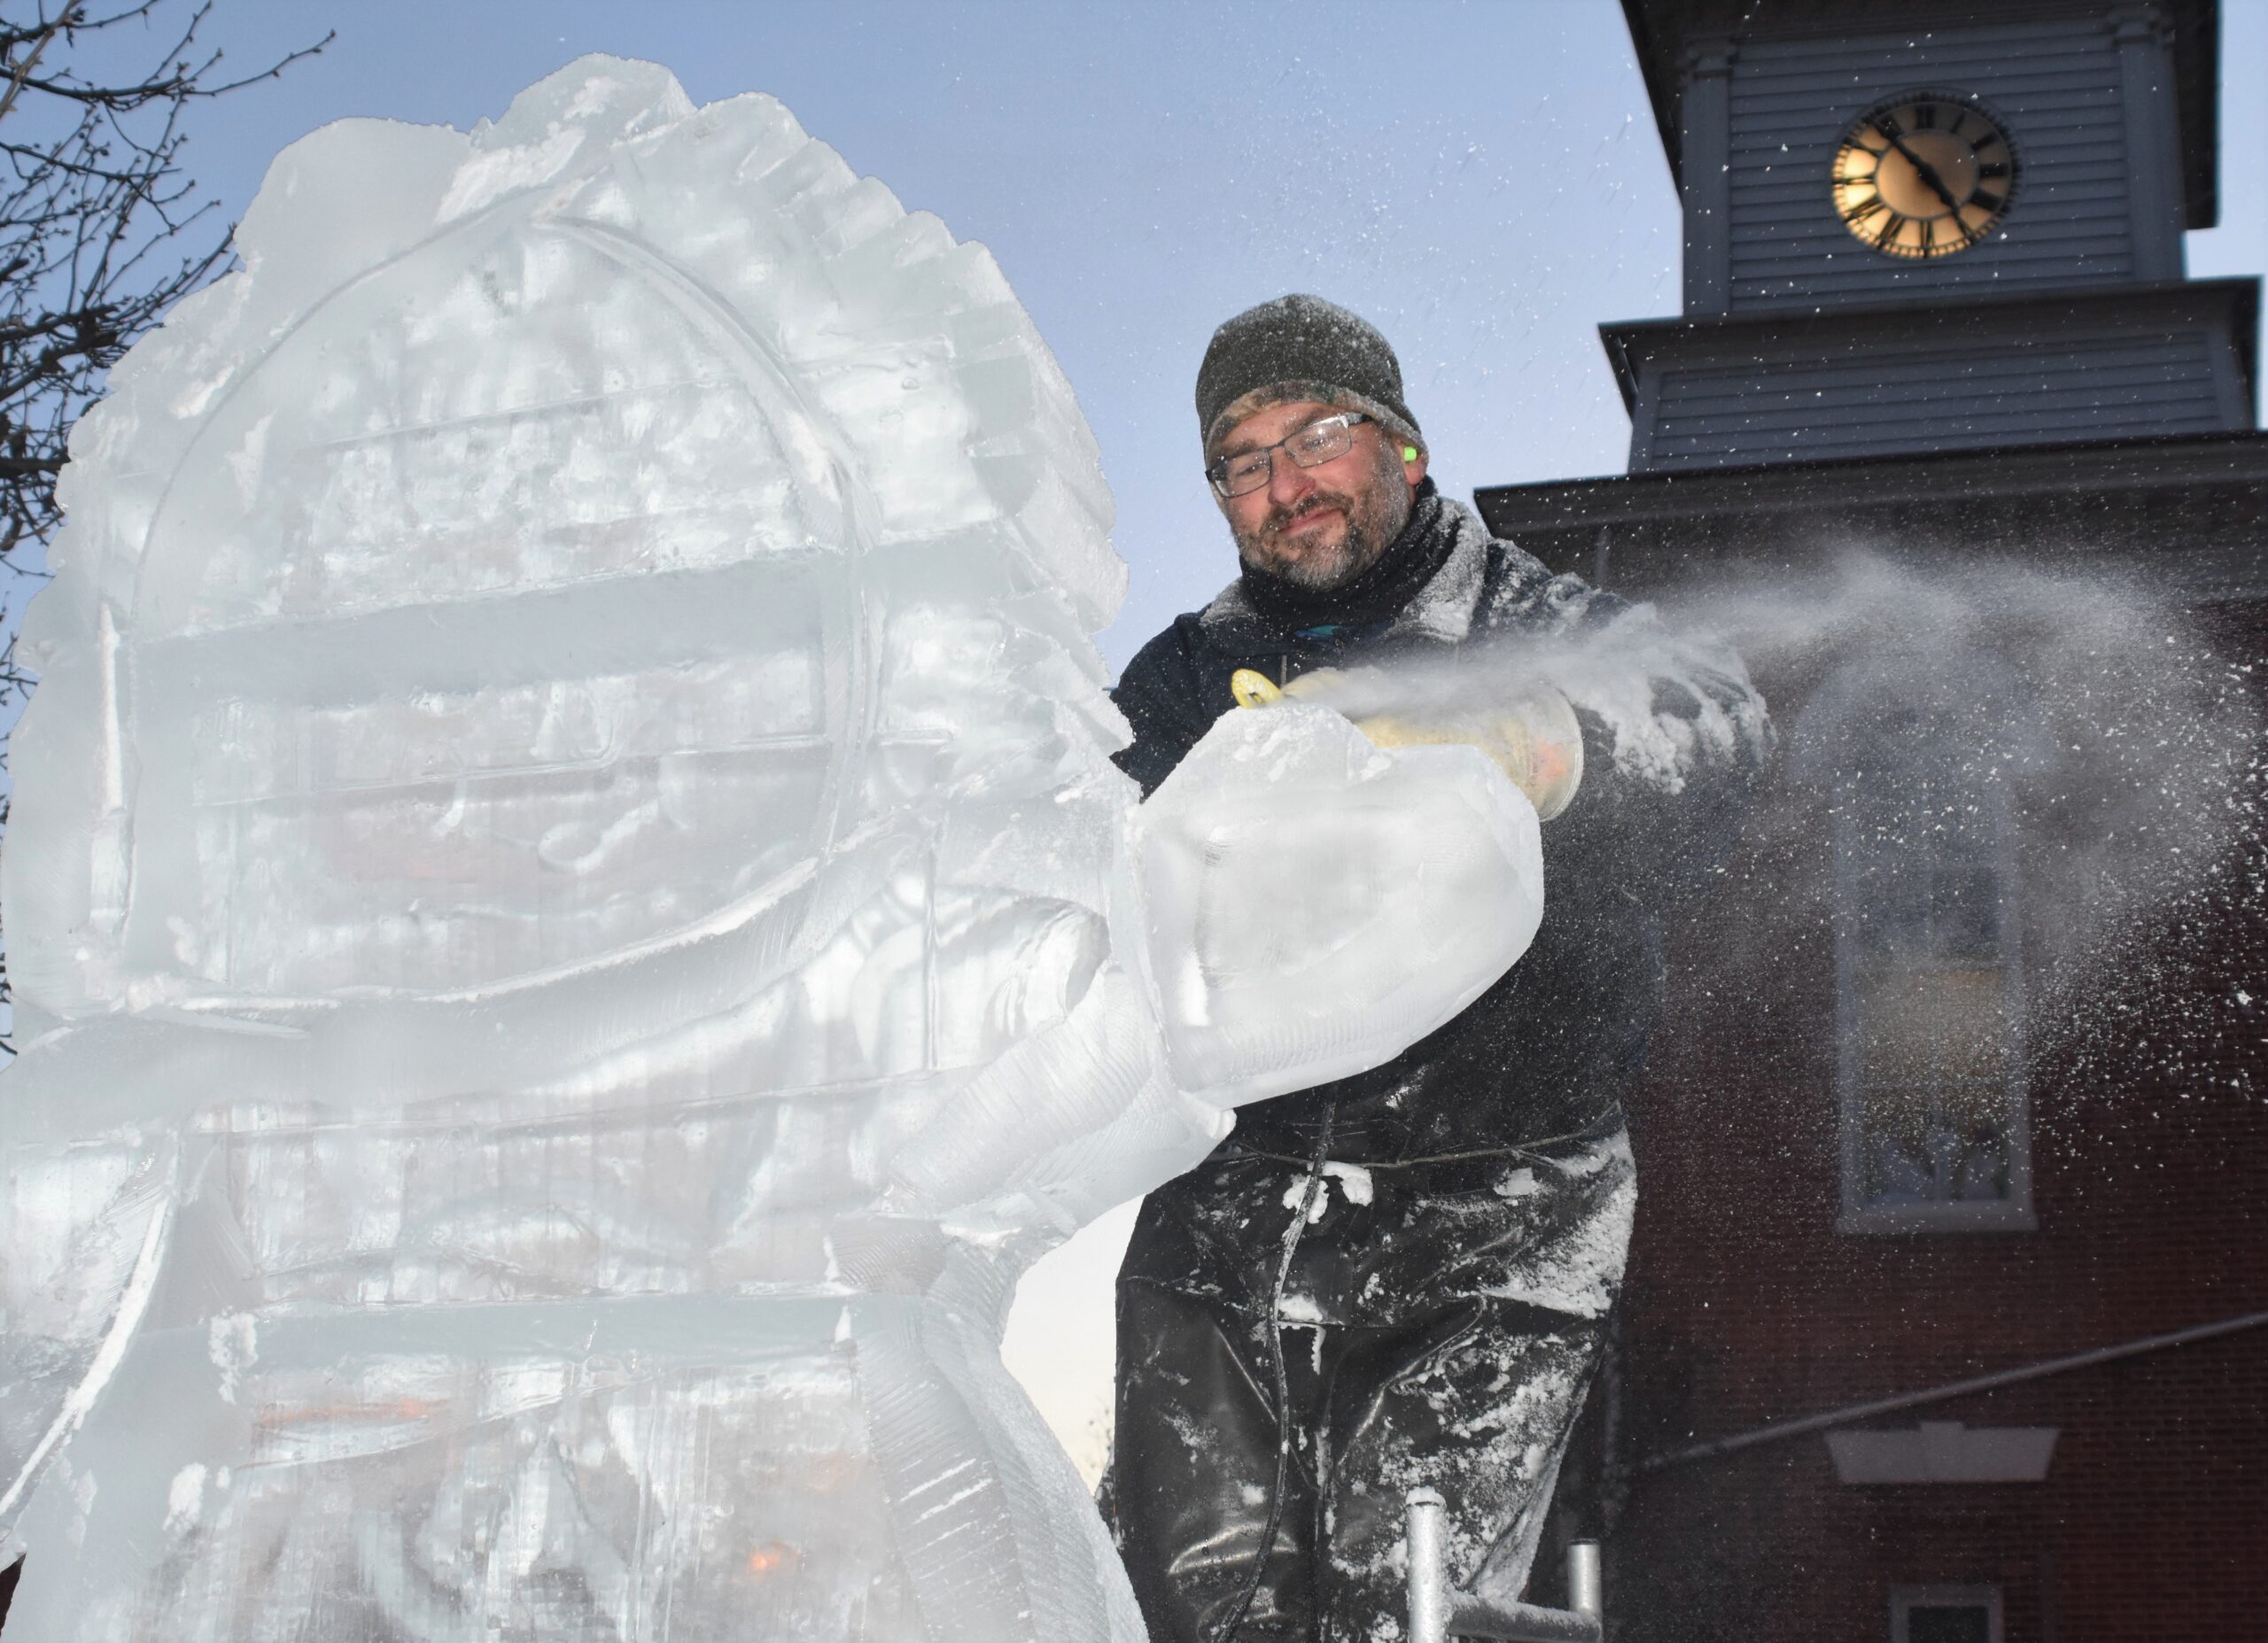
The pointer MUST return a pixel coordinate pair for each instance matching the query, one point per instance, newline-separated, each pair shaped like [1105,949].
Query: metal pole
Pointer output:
[1438,1612]
[1848,1412]
[1429,1581]
[1586,1585]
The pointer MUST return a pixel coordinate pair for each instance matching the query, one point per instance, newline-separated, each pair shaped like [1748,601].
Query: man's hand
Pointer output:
[1532,736]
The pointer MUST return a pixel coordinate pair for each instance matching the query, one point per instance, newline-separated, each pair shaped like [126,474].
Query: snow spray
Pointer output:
[2125,738]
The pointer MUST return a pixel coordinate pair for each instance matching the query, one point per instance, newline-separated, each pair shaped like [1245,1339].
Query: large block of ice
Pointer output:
[1289,865]
[574,927]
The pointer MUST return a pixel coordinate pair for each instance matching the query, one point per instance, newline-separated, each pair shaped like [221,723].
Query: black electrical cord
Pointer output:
[1228,1631]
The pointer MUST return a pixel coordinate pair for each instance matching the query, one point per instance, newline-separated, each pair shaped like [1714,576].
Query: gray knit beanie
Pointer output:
[1299,347]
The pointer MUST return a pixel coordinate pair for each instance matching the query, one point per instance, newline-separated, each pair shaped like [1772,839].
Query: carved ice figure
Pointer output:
[574,930]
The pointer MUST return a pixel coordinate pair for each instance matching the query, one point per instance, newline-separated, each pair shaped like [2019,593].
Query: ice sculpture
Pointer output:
[573,927]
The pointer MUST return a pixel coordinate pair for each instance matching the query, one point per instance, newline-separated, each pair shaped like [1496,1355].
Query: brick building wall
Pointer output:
[2148,1095]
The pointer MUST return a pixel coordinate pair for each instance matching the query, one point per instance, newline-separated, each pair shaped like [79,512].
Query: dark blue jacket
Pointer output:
[1674,738]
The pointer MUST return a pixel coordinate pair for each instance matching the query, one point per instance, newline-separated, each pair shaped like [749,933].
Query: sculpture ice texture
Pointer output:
[574,928]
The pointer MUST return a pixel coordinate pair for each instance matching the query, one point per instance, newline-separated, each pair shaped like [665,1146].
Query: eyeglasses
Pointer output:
[1311,447]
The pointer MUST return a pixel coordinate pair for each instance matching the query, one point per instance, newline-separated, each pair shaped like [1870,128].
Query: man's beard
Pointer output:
[1374,517]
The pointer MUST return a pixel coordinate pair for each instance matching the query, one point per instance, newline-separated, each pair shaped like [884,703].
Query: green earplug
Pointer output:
[1409,452]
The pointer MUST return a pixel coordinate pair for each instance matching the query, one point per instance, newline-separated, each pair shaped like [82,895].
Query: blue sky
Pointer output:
[1479,177]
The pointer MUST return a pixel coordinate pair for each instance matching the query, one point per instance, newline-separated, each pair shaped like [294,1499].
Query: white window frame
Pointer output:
[1905,1600]
[1833,725]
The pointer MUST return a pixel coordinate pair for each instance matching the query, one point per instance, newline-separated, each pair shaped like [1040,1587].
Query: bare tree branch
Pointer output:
[101,232]
[30,61]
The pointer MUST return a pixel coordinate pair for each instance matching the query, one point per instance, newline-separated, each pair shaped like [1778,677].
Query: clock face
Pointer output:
[1924,174]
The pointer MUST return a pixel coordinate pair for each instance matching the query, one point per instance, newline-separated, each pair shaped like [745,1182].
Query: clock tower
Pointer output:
[1933,288]
[1939,1329]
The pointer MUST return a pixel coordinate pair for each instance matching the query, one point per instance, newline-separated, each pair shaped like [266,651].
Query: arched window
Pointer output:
[1929,994]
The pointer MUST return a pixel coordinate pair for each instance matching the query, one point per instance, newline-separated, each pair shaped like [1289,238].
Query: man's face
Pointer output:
[1318,527]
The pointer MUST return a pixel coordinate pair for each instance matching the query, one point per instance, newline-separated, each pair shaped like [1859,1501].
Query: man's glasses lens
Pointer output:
[1320,442]
[1313,445]
[1243,474]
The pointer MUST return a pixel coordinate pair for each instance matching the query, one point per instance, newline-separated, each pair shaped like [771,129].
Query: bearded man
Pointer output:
[1406,1273]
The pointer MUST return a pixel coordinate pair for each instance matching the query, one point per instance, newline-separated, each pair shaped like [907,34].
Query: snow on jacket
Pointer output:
[1674,738]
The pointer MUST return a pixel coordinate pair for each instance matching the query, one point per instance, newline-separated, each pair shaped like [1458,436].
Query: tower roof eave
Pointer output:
[2190,506]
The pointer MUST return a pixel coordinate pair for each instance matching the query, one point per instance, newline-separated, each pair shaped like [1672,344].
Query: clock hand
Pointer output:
[1923,167]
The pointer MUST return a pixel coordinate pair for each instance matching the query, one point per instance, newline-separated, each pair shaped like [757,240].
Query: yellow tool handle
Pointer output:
[1253,689]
